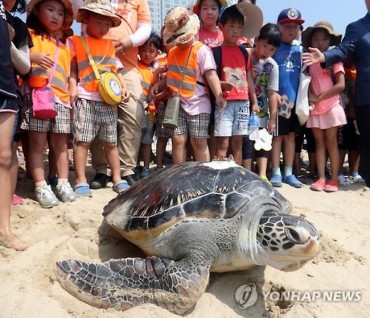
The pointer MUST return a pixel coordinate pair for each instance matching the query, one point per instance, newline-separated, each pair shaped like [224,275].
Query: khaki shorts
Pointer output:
[59,125]
[93,119]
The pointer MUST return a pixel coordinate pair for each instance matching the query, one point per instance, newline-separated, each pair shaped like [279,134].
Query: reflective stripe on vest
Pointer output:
[149,78]
[38,76]
[176,68]
[102,52]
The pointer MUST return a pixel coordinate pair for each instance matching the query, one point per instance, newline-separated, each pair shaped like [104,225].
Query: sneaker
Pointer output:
[46,197]
[264,178]
[145,172]
[293,181]
[100,181]
[331,186]
[319,185]
[276,181]
[65,192]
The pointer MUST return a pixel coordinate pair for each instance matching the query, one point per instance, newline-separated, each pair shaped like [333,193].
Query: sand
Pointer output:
[28,287]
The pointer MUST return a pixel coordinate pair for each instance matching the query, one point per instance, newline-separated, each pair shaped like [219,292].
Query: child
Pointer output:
[266,78]
[93,116]
[45,19]
[180,28]
[327,114]
[288,57]
[231,123]
[208,12]
[8,109]
[20,43]
[148,53]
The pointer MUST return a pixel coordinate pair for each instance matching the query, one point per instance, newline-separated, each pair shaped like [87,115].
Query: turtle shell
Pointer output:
[216,189]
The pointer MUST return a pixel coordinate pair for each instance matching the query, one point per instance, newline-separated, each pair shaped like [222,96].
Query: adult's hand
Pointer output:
[313,56]
[123,45]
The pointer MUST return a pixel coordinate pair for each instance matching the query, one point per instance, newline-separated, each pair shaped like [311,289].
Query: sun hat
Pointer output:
[290,15]
[68,15]
[335,37]
[253,17]
[180,26]
[101,7]
[223,3]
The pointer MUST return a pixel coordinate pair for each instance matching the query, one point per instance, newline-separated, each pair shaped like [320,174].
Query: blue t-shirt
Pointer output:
[288,57]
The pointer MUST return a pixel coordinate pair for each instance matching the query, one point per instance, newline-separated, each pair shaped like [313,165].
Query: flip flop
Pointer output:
[120,186]
[83,190]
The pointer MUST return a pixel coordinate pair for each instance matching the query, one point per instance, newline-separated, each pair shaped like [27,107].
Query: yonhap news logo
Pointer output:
[247,295]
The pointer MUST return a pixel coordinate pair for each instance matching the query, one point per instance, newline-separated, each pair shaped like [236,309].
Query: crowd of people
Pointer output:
[225,71]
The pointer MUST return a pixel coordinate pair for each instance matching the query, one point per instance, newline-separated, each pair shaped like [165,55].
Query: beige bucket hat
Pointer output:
[68,16]
[180,26]
[335,37]
[102,7]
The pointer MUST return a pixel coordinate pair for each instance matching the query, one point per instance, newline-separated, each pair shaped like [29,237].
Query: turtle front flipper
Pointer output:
[122,284]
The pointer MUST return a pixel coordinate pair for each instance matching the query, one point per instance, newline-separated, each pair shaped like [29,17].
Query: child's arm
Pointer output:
[335,89]
[72,82]
[159,91]
[215,86]
[273,98]
[125,90]
[252,94]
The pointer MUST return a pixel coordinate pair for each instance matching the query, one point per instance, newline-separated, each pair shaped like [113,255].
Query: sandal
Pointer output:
[120,186]
[276,181]
[293,181]
[83,190]
[13,242]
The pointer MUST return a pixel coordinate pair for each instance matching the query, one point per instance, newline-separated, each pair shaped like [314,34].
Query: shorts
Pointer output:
[233,121]
[8,104]
[92,118]
[285,126]
[59,125]
[147,137]
[196,126]
[248,151]
[160,131]
[347,137]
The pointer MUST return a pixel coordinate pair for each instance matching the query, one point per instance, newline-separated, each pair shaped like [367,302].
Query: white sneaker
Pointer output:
[46,197]
[65,192]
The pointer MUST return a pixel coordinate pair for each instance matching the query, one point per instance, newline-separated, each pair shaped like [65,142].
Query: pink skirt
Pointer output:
[333,118]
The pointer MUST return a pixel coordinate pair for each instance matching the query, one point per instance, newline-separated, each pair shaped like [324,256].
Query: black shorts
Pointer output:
[249,152]
[347,137]
[284,126]
[8,103]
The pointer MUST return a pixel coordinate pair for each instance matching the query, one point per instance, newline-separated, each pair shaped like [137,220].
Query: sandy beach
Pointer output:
[28,287]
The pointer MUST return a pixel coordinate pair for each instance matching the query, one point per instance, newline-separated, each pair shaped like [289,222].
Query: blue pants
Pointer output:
[363,123]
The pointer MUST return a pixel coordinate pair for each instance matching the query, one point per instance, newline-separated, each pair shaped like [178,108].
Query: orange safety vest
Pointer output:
[102,51]
[176,61]
[38,76]
[149,78]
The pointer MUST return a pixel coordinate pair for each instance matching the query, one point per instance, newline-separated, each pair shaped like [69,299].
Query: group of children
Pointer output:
[207,60]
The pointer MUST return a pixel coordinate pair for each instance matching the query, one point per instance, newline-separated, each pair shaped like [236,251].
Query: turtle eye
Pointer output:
[299,236]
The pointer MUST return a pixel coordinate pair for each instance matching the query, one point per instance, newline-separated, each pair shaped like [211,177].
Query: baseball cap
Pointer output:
[290,15]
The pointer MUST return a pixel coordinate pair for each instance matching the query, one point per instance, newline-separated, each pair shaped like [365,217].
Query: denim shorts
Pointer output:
[233,121]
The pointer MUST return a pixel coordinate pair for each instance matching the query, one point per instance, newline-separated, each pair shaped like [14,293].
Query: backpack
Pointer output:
[217,54]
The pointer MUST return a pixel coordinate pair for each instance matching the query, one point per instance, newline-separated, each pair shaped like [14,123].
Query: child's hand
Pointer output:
[160,70]
[42,59]
[271,125]
[125,94]
[220,102]
[255,108]
[226,86]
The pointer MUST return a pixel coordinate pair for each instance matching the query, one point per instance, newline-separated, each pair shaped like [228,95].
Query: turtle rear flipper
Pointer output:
[122,284]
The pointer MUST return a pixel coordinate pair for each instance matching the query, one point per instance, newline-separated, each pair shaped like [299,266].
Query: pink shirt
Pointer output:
[321,81]
[210,38]
[199,102]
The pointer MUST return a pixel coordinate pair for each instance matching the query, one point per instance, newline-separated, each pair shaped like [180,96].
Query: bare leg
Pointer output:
[80,159]
[112,155]
[236,148]
[332,148]
[160,151]
[200,148]
[178,148]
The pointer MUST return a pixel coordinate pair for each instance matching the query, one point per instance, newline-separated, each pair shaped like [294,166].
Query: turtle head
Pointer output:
[286,242]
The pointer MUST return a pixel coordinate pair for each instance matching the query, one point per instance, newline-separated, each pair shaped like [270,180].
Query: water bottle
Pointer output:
[254,125]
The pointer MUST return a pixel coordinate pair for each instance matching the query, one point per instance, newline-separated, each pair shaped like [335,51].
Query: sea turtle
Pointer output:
[191,219]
